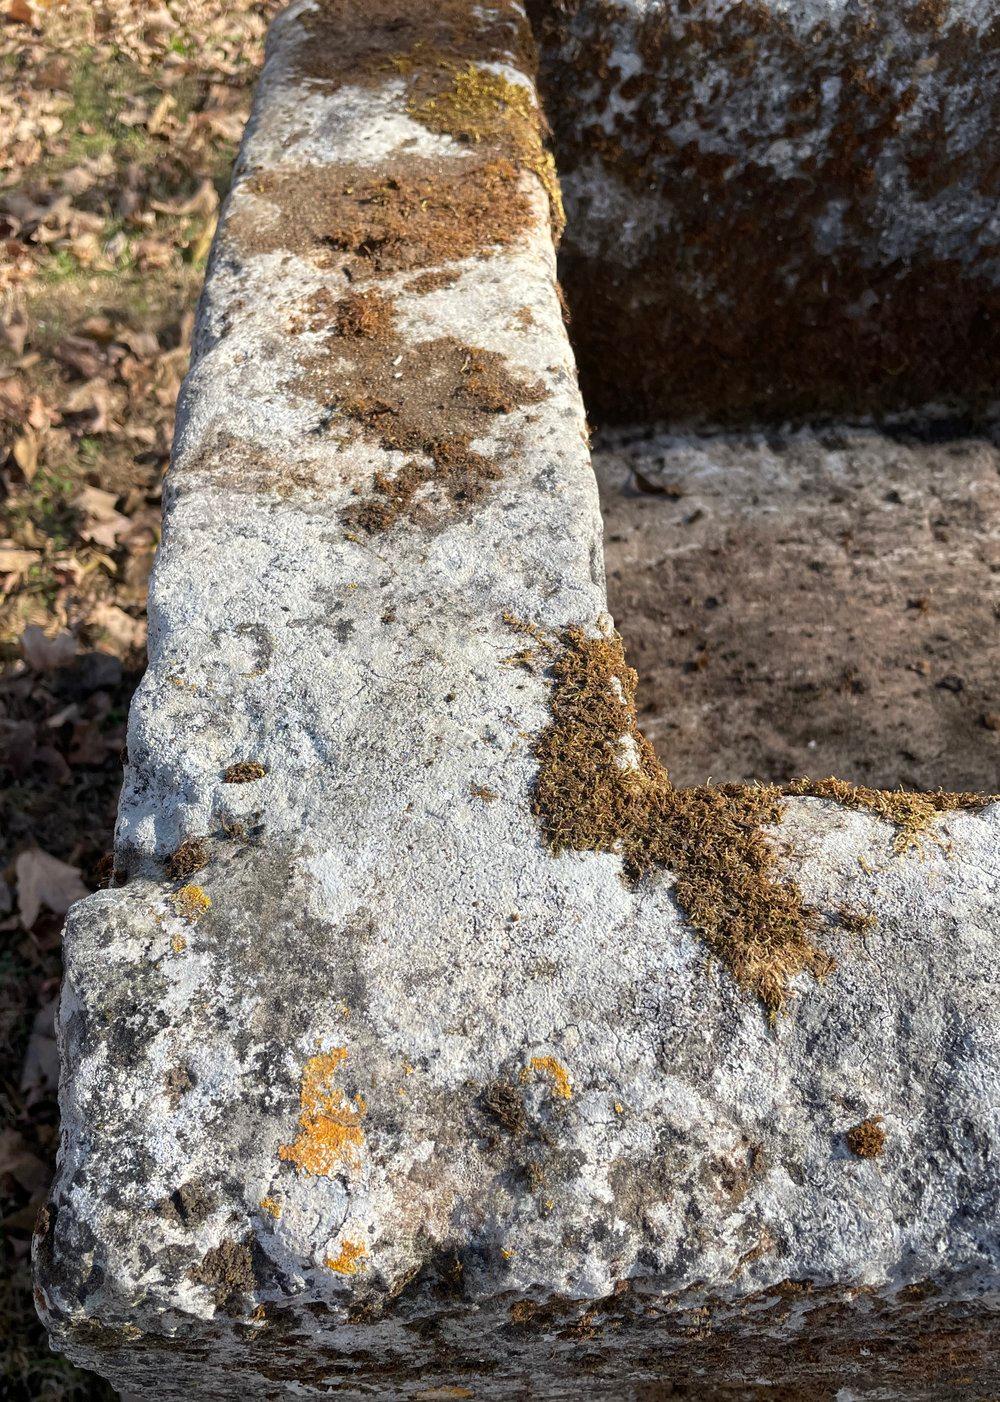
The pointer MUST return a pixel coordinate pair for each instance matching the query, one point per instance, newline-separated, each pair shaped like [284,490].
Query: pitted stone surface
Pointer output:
[384,1098]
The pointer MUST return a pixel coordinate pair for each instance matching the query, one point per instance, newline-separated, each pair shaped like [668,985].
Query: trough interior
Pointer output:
[782,218]
[810,603]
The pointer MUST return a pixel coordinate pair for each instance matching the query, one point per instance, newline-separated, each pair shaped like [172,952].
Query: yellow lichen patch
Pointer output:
[330,1134]
[481,106]
[349,1259]
[557,1074]
[191,902]
[910,813]
[271,1205]
[178,944]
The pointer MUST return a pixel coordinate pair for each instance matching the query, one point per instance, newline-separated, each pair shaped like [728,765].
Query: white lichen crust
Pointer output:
[385,1098]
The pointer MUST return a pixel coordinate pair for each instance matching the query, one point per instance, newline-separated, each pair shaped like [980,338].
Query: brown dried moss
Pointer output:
[433,281]
[365,313]
[910,813]
[445,53]
[601,788]
[486,108]
[431,398]
[246,772]
[505,1104]
[228,1270]
[867,1139]
[190,856]
[365,45]
[401,217]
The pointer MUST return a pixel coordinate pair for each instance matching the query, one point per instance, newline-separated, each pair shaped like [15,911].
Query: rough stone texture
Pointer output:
[789,205]
[810,602]
[379,1096]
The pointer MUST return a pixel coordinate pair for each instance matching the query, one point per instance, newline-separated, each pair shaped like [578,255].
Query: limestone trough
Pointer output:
[437,1035]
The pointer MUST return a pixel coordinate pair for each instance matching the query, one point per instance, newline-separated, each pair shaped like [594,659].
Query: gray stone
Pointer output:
[364,1089]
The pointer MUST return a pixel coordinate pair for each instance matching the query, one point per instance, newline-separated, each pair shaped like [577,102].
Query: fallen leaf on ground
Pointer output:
[204,201]
[14,328]
[44,654]
[15,564]
[20,13]
[40,1069]
[124,632]
[25,451]
[104,523]
[43,880]
[26,1168]
[90,398]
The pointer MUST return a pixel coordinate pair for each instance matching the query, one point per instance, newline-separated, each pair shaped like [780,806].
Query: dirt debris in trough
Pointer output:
[819,603]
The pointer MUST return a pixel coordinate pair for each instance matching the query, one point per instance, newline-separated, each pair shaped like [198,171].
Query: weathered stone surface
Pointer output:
[790,207]
[365,1089]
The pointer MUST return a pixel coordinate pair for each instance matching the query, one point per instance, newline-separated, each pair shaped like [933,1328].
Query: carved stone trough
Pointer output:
[431,1041]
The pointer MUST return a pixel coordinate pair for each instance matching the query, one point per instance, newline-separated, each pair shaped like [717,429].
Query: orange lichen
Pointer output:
[349,1259]
[330,1134]
[271,1205]
[191,902]
[556,1072]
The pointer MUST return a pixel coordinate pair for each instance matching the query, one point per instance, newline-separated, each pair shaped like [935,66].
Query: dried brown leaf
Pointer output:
[43,880]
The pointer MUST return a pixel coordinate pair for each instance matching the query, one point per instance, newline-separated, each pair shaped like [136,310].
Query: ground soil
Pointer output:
[811,604]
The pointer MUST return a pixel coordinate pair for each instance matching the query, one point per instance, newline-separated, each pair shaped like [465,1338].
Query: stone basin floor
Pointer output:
[820,602]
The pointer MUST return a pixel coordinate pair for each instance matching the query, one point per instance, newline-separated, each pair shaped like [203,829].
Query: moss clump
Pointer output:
[504,1103]
[365,314]
[404,217]
[430,398]
[246,772]
[190,856]
[910,813]
[228,1271]
[483,107]
[601,788]
[857,922]
[445,53]
[867,1139]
